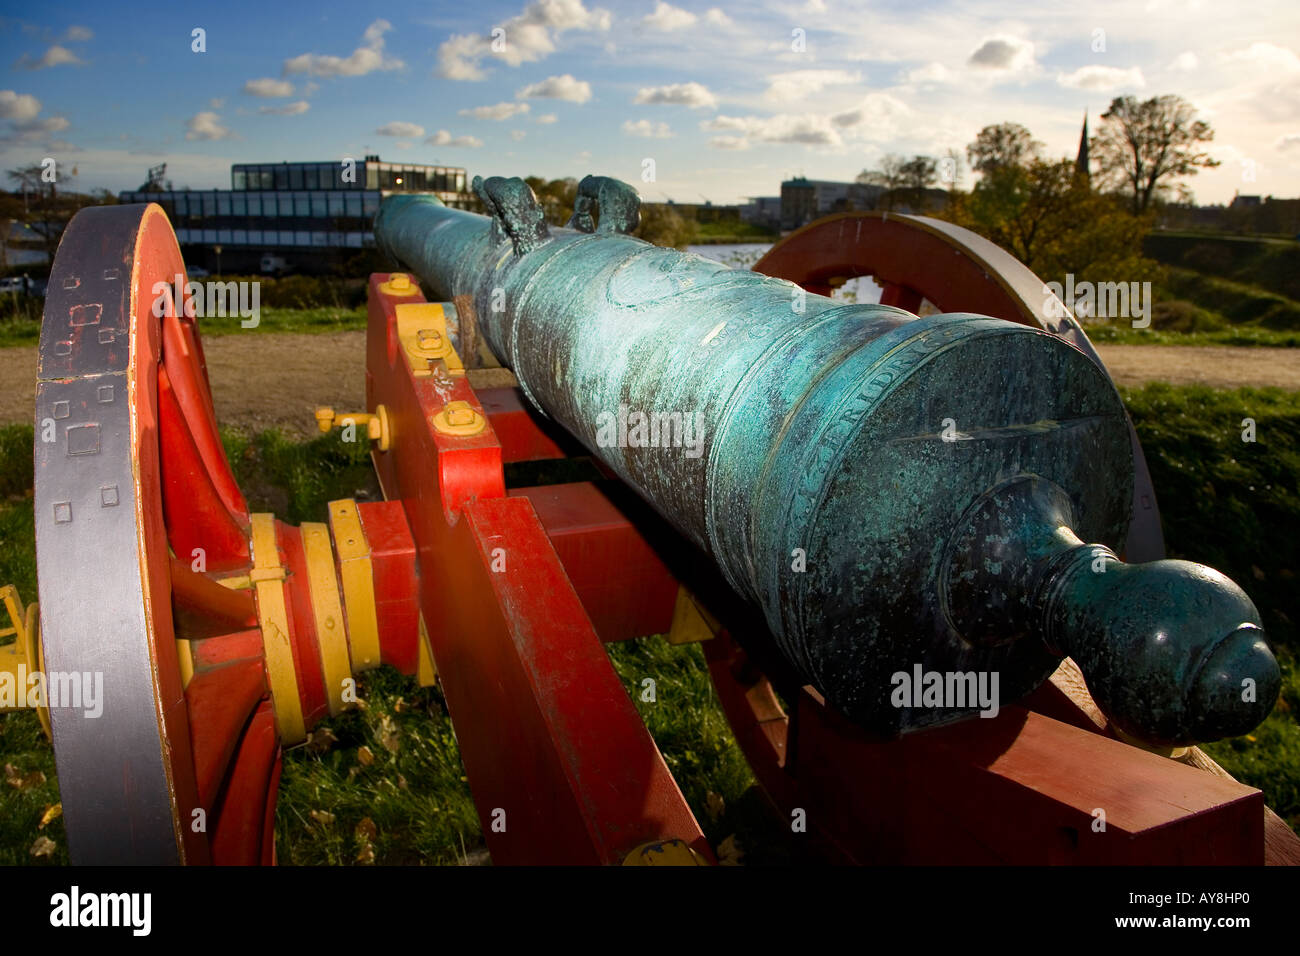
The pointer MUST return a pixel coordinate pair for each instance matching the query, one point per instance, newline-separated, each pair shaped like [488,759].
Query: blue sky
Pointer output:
[727,98]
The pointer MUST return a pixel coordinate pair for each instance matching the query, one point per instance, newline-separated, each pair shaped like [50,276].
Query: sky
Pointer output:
[687,101]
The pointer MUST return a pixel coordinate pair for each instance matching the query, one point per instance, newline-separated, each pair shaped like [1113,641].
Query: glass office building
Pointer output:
[288,207]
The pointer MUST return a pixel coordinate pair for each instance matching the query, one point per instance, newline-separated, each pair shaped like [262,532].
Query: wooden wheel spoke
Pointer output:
[203,608]
[187,376]
[249,798]
[198,520]
[220,702]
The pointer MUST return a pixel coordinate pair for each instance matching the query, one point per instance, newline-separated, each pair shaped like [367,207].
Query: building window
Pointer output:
[239,205]
[238,179]
[318,206]
[301,205]
[353,206]
[282,177]
[209,204]
[335,204]
[295,177]
[372,177]
[223,204]
[310,179]
[255,205]
[266,177]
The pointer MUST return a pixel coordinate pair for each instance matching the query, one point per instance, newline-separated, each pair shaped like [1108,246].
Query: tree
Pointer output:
[890,176]
[1049,219]
[1143,146]
[919,174]
[1000,146]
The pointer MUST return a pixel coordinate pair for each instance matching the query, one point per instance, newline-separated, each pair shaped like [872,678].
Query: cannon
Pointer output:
[885,521]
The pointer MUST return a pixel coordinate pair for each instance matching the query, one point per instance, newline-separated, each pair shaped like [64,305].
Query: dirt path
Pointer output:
[279,379]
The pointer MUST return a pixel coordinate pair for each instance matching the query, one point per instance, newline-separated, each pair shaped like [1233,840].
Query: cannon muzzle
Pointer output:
[933,500]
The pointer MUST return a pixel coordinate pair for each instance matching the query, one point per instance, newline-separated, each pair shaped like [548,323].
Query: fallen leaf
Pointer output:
[388,734]
[366,829]
[714,804]
[401,782]
[52,813]
[730,852]
[320,741]
[43,846]
[323,817]
[367,855]
[364,756]
[398,705]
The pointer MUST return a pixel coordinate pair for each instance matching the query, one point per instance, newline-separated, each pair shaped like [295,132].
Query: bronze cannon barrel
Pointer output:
[926,510]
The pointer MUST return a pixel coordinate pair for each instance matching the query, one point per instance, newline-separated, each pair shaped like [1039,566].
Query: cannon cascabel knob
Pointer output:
[1173,652]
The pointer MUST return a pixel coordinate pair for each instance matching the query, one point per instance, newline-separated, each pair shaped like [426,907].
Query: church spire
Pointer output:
[1081,161]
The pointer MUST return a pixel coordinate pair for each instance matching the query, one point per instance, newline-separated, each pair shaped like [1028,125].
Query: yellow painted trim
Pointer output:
[25,654]
[357,577]
[663,853]
[236,582]
[277,651]
[459,418]
[426,671]
[327,608]
[691,623]
[422,333]
[185,661]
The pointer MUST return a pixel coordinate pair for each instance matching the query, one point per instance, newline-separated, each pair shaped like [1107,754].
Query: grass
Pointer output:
[1246,335]
[25,329]
[385,784]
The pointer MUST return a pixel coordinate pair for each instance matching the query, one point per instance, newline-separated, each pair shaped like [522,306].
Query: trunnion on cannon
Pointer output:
[945,493]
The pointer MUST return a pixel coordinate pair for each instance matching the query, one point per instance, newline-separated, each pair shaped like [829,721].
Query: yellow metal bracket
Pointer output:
[357,577]
[327,609]
[459,418]
[422,333]
[399,283]
[24,656]
[664,853]
[376,424]
[268,577]
[691,622]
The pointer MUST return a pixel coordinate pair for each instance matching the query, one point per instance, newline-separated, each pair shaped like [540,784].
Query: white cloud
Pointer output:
[366,58]
[717,18]
[206,125]
[76,34]
[930,73]
[54,56]
[1184,62]
[400,128]
[668,17]
[1267,57]
[1102,78]
[878,112]
[1288,142]
[501,111]
[809,129]
[729,142]
[443,138]
[648,130]
[289,109]
[526,38]
[798,84]
[557,88]
[694,95]
[1003,53]
[547,118]
[21,107]
[268,87]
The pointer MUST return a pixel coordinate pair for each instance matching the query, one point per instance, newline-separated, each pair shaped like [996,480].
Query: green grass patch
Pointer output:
[1243,335]
[25,329]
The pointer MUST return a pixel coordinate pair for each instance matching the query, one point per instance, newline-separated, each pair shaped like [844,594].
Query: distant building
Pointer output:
[762,211]
[1241,202]
[1081,162]
[307,214]
[803,200]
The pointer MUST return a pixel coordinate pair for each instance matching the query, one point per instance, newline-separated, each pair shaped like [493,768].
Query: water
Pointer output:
[744,255]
